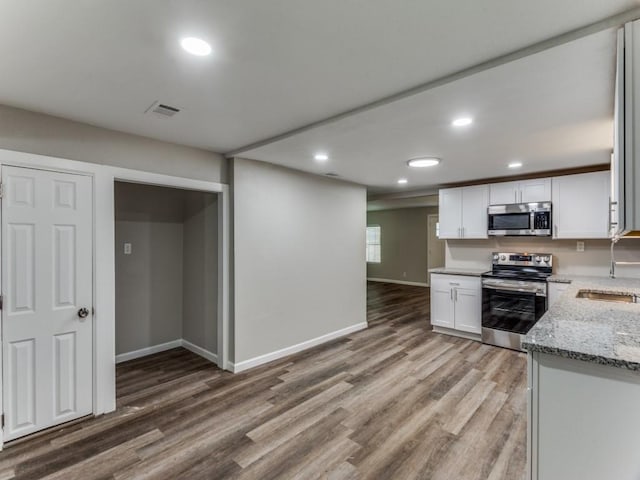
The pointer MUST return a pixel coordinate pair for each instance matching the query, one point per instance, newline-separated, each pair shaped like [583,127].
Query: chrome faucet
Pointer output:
[612,270]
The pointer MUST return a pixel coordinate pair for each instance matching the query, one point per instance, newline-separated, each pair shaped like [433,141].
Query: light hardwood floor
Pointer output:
[395,401]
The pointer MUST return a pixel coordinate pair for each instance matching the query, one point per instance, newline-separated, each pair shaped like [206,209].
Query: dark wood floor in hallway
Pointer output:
[395,401]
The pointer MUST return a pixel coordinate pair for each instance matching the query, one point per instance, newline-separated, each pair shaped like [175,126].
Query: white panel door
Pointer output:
[537,190]
[47,278]
[468,309]
[503,193]
[441,302]
[450,213]
[581,205]
[475,201]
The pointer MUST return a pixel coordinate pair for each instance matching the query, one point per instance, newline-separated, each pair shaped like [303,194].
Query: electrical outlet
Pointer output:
[580,247]
[127,249]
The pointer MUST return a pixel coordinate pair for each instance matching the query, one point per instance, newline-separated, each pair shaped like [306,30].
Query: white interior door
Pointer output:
[47,278]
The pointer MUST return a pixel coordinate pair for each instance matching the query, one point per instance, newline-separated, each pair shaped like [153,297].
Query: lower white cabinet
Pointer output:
[555,291]
[456,304]
[583,421]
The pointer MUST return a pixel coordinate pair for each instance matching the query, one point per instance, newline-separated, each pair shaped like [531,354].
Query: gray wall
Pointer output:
[149,281]
[167,288]
[403,244]
[31,132]
[299,255]
[595,260]
[200,263]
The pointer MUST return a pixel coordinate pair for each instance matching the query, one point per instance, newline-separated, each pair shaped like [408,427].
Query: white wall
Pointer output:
[595,260]
[299,253]
[31,132]
[148,281]
[200,261]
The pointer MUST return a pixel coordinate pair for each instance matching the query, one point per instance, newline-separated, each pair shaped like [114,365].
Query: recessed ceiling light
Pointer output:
[402,181]
[515,165]
[196,46]
[423,162]
[321,157]
[462,122]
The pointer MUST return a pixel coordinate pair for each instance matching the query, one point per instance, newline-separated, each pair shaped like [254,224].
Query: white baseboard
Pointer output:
[143,352]
[269,357]
[212,357]
[399,282]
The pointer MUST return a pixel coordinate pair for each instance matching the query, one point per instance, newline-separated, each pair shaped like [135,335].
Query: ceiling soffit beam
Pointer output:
[609,22]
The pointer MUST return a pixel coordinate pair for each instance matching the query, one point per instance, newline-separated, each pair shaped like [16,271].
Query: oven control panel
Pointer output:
[523,259]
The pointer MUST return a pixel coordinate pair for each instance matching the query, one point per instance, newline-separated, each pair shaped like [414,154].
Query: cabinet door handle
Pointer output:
[451,293]
[555,229]
[515,196]
[462,232]
[455,295]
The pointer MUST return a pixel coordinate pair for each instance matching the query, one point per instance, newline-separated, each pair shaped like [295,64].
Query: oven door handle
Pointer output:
[514,289]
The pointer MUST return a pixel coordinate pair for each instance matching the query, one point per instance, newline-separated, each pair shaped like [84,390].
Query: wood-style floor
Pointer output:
[395,401]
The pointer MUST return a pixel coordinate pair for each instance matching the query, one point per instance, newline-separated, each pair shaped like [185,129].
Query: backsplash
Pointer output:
[595,260]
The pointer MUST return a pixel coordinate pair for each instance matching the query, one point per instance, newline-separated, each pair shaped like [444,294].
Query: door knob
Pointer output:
[83,312]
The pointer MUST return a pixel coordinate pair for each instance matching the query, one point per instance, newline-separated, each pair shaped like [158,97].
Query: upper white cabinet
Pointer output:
[463,212]
[625,206]
[525,191]
[581,205]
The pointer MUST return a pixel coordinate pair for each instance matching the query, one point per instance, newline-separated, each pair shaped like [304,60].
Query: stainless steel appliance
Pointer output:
[514,296]
[528,219]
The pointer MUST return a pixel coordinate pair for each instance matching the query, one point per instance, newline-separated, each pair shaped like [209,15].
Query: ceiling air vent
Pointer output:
[162,110]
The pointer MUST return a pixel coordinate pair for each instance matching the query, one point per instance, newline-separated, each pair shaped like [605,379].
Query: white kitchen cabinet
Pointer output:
[581,205]
[450,212]
[555,291]
[524,191]
[463,212]
[625,168]
[456,305]
[582,420]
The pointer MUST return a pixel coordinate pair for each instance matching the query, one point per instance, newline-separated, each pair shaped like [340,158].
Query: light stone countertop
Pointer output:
[602,332]
[470,272]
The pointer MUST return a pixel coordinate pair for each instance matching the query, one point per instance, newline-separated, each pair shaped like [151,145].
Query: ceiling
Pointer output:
[550,110]
[276,66]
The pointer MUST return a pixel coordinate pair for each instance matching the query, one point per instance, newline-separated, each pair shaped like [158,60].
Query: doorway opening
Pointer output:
[435,246]
[166,271]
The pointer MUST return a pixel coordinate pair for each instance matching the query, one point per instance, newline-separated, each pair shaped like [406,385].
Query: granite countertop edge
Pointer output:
[584,357]
[469,272]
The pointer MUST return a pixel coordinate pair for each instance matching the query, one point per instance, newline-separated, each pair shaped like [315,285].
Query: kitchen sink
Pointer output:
[608,296]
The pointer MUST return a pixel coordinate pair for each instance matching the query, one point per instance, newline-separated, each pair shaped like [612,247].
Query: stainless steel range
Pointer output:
[514,296]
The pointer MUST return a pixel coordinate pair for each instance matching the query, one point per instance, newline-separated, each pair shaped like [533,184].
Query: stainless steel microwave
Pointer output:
[524,219]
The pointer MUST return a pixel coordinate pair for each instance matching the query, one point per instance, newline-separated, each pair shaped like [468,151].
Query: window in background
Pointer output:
[373,244]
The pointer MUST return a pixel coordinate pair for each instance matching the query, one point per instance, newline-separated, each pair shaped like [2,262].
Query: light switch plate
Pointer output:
[127,249]
[579,246]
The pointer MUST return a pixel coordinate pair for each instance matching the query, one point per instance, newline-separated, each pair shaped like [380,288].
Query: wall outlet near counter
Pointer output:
[127,249]
[579,246]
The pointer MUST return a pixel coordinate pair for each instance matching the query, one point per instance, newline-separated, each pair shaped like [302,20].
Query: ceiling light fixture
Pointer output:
[402,181]
[423,162]
[196,46]
[515,165]
[321,157]
[462,122]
